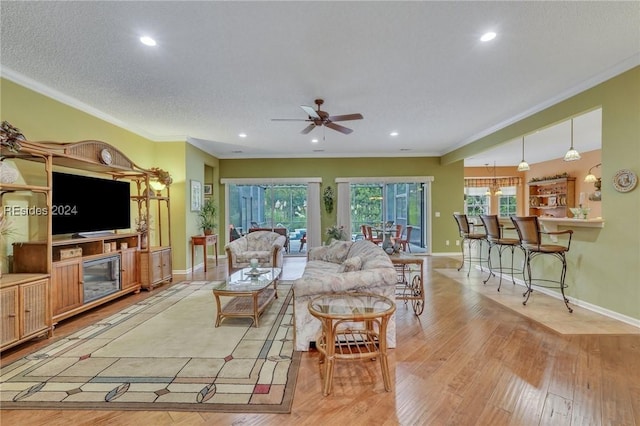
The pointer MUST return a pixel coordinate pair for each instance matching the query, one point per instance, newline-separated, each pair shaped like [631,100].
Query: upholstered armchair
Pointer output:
[266,246]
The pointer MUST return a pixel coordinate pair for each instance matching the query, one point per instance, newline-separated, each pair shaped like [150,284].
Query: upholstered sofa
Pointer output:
[266,246]
[343,266]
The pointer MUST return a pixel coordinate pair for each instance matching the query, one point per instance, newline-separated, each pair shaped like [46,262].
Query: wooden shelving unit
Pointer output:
[552,197]
[46,282]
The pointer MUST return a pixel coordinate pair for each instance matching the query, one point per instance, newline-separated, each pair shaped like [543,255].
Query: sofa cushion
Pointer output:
[351,264]
[262,256]
[337,251]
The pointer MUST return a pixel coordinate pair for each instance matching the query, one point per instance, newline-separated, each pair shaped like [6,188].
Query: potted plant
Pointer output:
[207,216]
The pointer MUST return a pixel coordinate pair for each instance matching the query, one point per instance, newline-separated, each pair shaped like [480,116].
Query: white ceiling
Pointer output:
[222,68]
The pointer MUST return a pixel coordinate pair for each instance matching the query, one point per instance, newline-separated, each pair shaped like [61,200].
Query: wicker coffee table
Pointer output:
[250,293]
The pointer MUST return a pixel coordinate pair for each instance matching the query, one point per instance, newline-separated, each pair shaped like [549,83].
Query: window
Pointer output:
[476,202]
[507,202]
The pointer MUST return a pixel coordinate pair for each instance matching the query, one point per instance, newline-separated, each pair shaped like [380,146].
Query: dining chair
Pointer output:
[530,234]
[470,239]
[405,241]
[495,237]
[367,231]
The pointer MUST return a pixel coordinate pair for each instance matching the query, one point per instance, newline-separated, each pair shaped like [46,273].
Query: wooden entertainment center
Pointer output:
[56,277]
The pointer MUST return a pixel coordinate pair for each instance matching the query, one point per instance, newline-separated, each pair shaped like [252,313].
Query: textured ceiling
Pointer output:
[222,68]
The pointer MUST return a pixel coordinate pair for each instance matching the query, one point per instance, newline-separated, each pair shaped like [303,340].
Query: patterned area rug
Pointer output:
[165,354]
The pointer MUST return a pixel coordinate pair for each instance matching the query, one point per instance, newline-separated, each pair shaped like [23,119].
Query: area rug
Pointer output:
[165,353]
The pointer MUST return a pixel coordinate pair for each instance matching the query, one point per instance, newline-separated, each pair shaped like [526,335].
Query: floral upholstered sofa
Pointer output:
[266,246]
[343,266]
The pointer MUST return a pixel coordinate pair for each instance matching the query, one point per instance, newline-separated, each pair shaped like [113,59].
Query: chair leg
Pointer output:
[562,277]
[491,274]
[462,249]
[529,290]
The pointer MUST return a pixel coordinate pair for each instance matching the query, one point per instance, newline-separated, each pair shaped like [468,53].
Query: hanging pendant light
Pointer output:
[572,154]
[523,166]
[494,189]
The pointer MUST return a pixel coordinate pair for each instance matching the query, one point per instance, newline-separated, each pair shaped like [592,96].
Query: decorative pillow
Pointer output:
[337,251]
[351,264]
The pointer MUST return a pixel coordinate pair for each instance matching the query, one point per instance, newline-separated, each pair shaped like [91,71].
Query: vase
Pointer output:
[143,241]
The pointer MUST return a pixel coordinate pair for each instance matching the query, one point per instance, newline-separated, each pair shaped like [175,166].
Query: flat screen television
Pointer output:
[88,204]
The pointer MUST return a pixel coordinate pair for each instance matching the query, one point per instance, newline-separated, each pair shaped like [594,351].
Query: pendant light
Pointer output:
[572,154]
[494,189]
[523,166]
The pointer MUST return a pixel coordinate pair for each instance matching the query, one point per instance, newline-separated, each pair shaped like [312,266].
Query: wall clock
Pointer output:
[625,180]
[105,156]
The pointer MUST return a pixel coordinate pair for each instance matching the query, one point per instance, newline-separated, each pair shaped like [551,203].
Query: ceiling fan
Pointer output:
[322,118]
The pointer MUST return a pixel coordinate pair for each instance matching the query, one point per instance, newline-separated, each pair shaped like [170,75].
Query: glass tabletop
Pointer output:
[351,305]
[247,279]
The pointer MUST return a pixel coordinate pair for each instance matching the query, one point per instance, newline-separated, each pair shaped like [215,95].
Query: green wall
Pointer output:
[447,194]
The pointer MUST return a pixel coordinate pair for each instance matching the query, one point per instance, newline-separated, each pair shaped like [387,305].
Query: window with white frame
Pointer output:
[476,201]
[507,206]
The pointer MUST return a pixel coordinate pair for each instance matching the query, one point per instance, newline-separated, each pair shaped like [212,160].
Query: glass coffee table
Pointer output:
[250,292]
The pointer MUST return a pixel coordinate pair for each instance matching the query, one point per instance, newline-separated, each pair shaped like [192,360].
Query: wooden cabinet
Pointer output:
[66,290]
[155,267]
[129,269]
[68,295]
[10,304]
[552,198]
[24,299]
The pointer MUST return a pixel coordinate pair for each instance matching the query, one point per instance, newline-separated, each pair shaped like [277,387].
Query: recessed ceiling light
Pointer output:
[393,133]
[314,140]
[242,135]
[488,36]
[147,41]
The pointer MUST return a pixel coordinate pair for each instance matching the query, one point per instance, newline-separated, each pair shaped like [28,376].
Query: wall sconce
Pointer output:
[572,154]
[590,178]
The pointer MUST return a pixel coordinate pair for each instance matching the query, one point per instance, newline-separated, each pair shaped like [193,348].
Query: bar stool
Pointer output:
[530,234]
[496,239]
[471,239]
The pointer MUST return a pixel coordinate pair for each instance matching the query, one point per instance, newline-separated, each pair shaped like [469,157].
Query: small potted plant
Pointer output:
[207,216]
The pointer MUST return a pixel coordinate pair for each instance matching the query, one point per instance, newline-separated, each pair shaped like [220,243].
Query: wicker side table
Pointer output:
[343,338]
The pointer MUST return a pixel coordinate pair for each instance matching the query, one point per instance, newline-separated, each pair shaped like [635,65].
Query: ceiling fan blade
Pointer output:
[339,128]
[310,111]
[290,119]
[308,128]
[346,117]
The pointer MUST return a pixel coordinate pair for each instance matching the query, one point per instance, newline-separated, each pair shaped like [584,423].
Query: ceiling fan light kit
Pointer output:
[319,118]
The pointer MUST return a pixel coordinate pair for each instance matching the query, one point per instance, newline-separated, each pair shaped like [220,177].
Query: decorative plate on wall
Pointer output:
[625,180]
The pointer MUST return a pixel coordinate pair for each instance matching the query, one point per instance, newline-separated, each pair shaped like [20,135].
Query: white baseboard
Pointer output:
[577,302]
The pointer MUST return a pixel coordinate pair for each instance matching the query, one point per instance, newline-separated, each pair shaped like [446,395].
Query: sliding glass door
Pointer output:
[280,207]
[387,204]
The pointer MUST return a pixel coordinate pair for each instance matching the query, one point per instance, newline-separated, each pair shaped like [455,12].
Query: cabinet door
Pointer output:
[166,264]
[156,267]
[34,307]
[10,325]
[66,286]
[129,269]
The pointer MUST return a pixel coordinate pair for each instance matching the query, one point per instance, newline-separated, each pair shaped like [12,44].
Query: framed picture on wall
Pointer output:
[208,189]
[196,195]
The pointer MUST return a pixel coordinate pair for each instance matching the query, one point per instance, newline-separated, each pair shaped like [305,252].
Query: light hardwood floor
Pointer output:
[466,360]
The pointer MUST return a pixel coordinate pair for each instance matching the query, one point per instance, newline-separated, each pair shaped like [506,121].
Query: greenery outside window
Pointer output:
[476,202]
[507,203]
